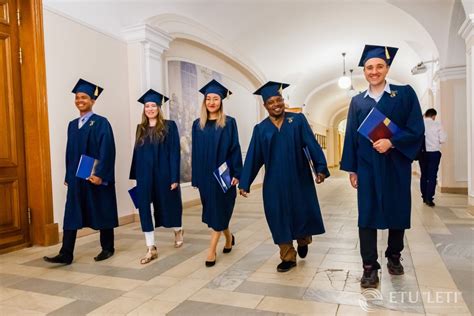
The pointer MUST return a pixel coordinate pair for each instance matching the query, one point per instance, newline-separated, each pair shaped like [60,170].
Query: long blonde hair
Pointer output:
[220,122]
[158,132]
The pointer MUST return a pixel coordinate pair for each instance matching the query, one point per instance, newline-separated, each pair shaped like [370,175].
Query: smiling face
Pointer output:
[375,71]
[275,106]
[213,103]
[83,102]
[151,110]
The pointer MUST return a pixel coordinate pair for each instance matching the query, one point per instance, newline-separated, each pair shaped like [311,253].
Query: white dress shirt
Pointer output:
[83,119]
[434,135]
[378,97]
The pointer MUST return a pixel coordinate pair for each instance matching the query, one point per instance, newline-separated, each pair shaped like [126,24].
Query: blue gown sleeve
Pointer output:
[106,164]
[133,175]
[317,154]
[175,152]
[235,152]
[194,151]
[408,140]
[349,153]
[253,162]
[68,153]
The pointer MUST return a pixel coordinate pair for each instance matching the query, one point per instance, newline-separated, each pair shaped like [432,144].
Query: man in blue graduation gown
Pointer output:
[381,171]
[289,196]
[92,202]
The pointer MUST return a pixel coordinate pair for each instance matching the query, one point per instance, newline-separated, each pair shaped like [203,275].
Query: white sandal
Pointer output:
[178,238]
[150,255]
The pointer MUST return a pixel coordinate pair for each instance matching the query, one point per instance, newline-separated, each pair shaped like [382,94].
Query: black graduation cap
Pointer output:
[374,51]
[214,86]
[153,96]
[271,89]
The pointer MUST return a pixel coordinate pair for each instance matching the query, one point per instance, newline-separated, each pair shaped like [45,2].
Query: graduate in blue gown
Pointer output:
[289,195]
[381,171]
[92,202]
[215,141]
[155,166]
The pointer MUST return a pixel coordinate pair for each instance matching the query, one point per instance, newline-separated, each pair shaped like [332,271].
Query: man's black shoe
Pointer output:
[58,259]
[285,266]
[302,251]
[430,203]
[104,254]
[370,278]
[394,265]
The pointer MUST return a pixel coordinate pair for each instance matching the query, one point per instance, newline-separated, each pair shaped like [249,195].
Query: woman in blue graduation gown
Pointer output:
[155,166]
[381,171]
[215,141]
[289,196]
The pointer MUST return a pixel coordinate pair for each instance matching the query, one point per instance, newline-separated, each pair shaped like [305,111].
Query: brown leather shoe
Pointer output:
[394,265]
[370,277]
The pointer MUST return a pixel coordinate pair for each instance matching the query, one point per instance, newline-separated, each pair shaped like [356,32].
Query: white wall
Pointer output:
[73,51]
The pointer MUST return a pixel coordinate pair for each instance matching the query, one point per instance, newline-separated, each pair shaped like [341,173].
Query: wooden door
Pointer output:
[14,230]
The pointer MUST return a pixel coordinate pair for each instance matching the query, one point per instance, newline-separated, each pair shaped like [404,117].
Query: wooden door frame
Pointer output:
[43,230]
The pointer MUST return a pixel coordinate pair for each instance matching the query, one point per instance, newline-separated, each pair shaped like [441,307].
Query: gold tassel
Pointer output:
[281,90]
[96,92]
[387,55]
[162,99]
[228,95]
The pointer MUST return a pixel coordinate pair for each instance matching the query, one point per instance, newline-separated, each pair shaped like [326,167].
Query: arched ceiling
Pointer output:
[300,42]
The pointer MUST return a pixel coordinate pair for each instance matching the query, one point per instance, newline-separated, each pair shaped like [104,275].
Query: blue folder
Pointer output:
[86,167]
[222,175]
[377,126]
[310,161]
[133,196]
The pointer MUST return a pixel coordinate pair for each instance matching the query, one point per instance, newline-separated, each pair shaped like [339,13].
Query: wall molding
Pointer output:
[155,40]
[466,31]
[454,190]
[179,26]
[450,73]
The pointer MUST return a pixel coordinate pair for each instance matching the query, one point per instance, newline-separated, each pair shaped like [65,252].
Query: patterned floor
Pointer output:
[438,261]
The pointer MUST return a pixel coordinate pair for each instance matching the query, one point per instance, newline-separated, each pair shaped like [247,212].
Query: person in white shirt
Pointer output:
[431,156]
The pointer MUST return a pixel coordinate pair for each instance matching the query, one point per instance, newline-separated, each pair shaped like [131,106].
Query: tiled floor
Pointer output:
[438,261]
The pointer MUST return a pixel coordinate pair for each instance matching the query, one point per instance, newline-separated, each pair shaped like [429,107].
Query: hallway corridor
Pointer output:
[438,258]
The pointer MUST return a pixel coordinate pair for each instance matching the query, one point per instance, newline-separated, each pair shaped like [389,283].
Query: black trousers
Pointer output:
[69,241]
[429,163]
[368,245]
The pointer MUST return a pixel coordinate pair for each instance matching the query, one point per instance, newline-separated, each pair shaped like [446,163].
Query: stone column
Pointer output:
[450,102]
[146,68]
[467,33]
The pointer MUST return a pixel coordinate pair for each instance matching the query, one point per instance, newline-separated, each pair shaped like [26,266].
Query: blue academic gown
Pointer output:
[383,194]
[289,196]
[87,204]
[211,147]
[155,166]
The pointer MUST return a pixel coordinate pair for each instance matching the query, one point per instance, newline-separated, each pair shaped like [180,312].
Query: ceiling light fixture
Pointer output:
[344,82]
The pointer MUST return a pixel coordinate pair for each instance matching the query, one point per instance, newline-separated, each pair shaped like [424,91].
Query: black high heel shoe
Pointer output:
[211,263]
[227,250]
